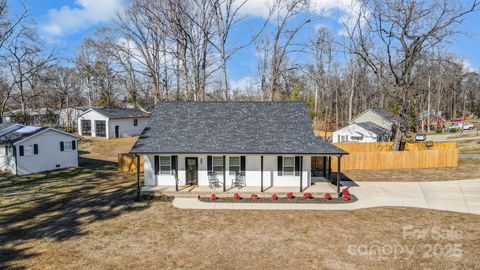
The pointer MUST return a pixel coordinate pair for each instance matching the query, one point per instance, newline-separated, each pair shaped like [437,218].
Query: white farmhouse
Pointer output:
[28,149]
[112,122]
[362,132]
[213,144]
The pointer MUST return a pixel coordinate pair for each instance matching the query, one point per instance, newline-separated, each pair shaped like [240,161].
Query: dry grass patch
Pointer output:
[103,149]
[467,169]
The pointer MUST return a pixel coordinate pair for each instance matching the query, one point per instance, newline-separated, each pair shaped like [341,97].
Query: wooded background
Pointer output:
[392,55]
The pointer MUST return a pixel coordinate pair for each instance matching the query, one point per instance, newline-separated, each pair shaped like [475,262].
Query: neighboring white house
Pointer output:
[68,117]
[362,132]
[112,122]
[258,144]
[378,116]
[29,149]
[40,116]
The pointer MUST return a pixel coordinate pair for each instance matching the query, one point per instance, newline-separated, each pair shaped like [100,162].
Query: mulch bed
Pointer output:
[281,200]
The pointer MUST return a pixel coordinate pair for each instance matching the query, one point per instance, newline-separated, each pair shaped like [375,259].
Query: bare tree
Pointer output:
[401,31]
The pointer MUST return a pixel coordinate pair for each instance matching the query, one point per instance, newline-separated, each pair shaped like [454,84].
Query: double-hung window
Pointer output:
[217,163]
[234,165]
[165,165]
[289,166]
[135,122]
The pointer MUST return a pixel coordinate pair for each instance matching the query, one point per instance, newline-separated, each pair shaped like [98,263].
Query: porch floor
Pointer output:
[319,187]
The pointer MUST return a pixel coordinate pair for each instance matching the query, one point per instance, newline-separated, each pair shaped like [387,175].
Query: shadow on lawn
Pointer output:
[56,205]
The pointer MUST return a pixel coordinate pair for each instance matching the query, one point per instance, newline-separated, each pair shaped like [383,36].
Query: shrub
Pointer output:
[290,195]
[213,197]
[439,130]
[307,195]
[327,196]
[236,196]
[453,130]
[346,194]
[254,197]
[274,197]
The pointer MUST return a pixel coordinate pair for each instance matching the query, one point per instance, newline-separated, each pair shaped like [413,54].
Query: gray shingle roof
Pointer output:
[387,115]
[231,127]
[20,134]
[9,127]
[372,127]
[120,112]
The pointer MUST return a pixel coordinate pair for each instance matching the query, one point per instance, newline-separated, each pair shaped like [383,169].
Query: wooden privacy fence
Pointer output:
[128,163]
[379,156]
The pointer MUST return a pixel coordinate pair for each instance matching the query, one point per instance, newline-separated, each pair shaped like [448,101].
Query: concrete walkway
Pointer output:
[459,196]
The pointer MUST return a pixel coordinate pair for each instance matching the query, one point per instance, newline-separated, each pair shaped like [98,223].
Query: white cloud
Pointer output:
[244,84]
[259,8]
[71,19]
[468,66]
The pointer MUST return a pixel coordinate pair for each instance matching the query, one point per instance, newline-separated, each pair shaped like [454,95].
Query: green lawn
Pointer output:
[86,218]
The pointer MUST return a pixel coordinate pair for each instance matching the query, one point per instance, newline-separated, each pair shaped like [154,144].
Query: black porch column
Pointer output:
[329,167]
[261,174]
[339,174]
[324,173]
[301,173]
[138,177]
[224,176]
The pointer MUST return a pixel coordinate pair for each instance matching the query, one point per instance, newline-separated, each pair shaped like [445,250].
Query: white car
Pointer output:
[466,126]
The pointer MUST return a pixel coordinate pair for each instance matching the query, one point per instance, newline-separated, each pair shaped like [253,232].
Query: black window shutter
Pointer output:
[174,164]
[209,163]
[35,149]
[297,166]
[20,148]
[62,147]
[74,145]
[242,163]
[280,165]
[157,164]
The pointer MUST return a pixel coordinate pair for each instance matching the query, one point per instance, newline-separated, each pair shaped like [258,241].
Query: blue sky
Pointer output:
[65,23]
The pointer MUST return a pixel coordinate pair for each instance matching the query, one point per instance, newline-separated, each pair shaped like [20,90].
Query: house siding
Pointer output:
[92,116]
[370,116]
[252,171]
[126,127]
[49,154]
[351,130]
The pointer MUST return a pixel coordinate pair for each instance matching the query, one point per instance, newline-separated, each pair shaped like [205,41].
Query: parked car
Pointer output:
[420,137]
[458,126]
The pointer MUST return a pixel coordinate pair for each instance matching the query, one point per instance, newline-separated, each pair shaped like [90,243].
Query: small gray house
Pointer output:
[259,144]
[378,116]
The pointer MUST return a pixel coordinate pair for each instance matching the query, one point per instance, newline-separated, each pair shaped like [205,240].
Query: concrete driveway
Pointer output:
[458,196]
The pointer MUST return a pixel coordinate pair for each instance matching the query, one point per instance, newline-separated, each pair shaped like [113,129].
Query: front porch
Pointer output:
[321,186]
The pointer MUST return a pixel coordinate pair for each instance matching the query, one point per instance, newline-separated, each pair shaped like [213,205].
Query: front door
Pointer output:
[191,167]
[117,131]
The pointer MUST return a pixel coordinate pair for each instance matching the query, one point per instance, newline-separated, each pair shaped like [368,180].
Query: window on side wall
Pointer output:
[288,166]
[234,165]
[165,165]
[135,122]
[67,146]
[217,163]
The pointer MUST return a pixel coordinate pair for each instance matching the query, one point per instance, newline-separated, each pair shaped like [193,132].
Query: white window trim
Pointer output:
[163,172]
[230,172]
[213,165]
[283,166]
[65,143]
[25,147]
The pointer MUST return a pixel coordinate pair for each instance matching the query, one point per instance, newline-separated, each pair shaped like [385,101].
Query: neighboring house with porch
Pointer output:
[230,144]
[30,149]
[112,122]
[378,116]
[362,132]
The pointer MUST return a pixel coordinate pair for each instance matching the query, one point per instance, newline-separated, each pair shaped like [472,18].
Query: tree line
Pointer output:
[391,54]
